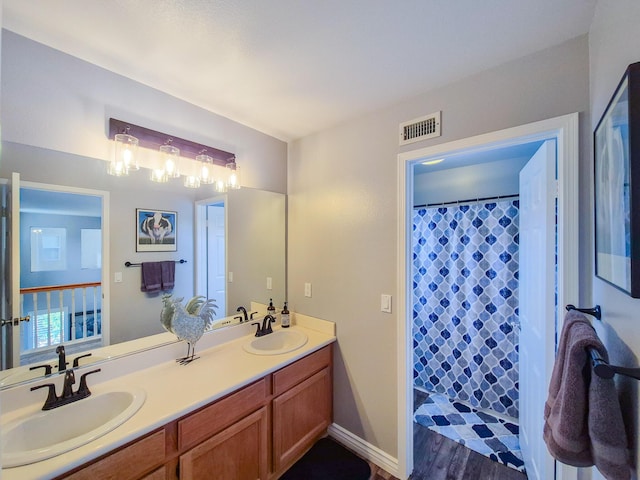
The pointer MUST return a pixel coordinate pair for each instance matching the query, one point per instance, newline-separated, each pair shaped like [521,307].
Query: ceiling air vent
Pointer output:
[420,129]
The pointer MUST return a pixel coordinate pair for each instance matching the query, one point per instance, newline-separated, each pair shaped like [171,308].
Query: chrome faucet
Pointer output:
[68,395]
[266,326]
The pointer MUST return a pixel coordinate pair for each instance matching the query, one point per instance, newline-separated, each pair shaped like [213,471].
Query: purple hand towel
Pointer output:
[583,422]
[151,277]
[168,274]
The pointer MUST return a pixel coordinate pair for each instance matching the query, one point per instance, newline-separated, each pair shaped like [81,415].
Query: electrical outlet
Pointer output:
[307,290]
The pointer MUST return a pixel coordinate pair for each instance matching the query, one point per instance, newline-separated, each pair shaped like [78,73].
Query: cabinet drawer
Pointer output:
[130,462]
[213,418]
[295,373]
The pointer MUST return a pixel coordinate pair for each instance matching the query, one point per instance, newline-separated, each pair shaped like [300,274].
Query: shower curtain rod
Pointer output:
[470,200]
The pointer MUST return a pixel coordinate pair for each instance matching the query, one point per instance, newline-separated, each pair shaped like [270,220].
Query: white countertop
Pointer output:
[172,390]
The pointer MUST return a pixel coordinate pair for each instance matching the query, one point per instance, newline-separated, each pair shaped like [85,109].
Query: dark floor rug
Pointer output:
[327,460]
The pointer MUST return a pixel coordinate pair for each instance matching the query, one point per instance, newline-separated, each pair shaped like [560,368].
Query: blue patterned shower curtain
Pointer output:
[465,303]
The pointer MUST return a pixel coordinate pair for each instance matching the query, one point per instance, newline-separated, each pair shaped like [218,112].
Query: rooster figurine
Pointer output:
[188,322]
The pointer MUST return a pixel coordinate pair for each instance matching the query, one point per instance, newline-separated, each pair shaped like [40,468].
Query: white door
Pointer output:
[216,268]
[10,318]
[537,305]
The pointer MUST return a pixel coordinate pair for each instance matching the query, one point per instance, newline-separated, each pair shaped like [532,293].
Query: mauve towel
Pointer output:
[583,422]
[168,274]
[151,277]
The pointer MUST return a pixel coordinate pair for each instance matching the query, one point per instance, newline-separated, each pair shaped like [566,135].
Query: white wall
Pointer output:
[614,43]
[343,215]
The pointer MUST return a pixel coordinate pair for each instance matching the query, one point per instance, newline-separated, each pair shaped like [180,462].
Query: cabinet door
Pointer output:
[300,416]
[237,453]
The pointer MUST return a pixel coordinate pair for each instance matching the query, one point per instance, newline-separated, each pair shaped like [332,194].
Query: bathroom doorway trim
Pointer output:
[565,131]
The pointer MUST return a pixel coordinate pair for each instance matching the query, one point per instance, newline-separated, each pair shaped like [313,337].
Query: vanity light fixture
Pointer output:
[125,158]
[233,174]
[170,157]
[158,175]
[192,175]
[205,168]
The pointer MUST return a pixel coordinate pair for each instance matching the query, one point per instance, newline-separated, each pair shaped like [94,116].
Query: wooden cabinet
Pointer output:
[255,433]
[240,452]
[211,419]
[300,416]
[302,407]
[132,461]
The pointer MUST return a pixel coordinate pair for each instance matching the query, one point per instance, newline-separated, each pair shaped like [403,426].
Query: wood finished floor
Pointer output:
[436,457]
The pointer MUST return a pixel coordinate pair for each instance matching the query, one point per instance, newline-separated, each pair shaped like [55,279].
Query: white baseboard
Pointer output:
[364,449]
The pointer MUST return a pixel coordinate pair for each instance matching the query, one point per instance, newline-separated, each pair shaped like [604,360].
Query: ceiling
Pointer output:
[290,68]
[50,202]
[518,153]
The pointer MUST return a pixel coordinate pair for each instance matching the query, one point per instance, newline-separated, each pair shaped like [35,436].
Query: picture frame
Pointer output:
[616,143]
[156,230]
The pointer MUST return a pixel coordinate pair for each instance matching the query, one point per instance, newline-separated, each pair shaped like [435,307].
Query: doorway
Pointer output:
[565,132]
[211,252]
[55,264]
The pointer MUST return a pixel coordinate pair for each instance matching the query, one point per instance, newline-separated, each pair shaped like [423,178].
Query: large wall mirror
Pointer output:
[234,246]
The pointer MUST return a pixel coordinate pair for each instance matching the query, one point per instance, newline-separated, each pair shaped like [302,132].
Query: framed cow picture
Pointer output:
[156,230]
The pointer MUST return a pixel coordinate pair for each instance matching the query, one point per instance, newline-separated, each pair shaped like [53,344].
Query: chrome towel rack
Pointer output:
[129,264]
[600,367]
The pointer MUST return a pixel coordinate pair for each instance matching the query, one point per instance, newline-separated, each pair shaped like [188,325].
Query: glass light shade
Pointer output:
[220,185]
[126,150]
[117,168]
[205,173]
[191,181]
[233,176]
[171,160]
[158,175]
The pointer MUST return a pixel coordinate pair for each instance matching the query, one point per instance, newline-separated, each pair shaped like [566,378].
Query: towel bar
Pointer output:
[600,367]
[129,264]
[604,370]
[595,311]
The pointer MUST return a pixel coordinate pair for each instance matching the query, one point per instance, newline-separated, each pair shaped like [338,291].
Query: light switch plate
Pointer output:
[230,277]
[385,303]
[269,283]
[117,277]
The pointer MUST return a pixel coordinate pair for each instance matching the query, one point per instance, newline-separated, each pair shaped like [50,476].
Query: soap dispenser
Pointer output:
[285,319]
[271,310]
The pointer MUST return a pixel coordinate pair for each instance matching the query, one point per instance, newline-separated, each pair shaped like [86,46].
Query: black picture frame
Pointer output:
[156,230]
[616,143]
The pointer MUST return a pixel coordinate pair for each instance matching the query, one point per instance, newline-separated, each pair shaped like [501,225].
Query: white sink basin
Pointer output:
[280,341]
[49,433]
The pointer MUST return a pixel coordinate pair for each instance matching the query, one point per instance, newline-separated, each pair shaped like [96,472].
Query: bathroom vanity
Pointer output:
[230,414]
